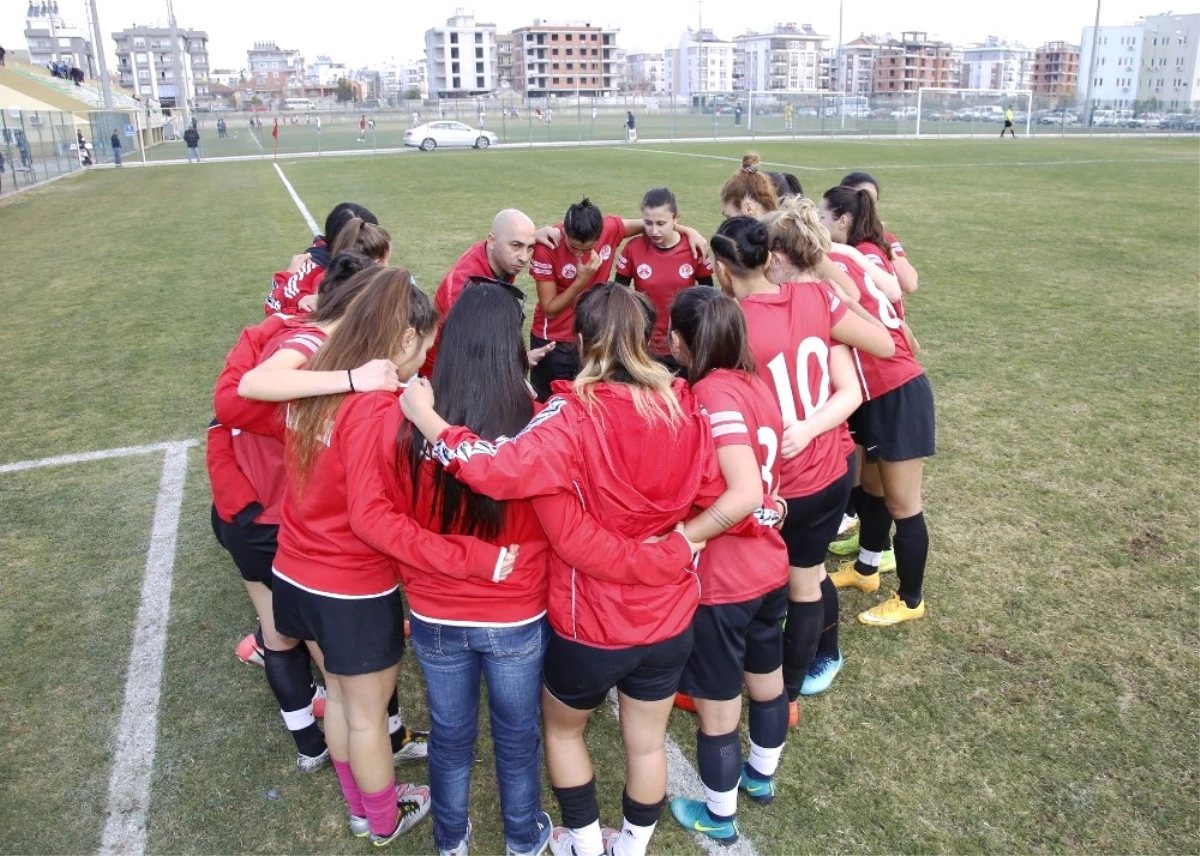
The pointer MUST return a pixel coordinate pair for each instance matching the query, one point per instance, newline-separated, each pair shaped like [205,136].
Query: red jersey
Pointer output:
[572,461]
[343,536]
[660,275]
[743,412]
[560,266]
[897,248]
[474,262]
[876,375]
[790,338]
[876,254]
[287,289]
[260,456]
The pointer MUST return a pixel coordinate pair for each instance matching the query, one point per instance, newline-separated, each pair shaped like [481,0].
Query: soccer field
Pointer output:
[1048,702]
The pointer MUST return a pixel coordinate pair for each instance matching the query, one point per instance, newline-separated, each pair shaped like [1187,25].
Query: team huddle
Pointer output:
[640,500]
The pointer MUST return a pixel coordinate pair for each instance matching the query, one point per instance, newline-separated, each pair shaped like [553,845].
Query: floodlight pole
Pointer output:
[105,83]
[1092,65]
[180,78]
[841,68]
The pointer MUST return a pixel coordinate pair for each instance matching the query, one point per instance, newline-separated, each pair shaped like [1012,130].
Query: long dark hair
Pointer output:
[865,225]
[713,327]
[479,382]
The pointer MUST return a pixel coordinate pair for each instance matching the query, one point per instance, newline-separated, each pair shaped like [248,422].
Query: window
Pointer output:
[554,37]
[453,53]
[454,38]
[456,83]
[554,80]
[570,80]
[554,66]
[570,51]
[479,38]
[141,58]
[478,53]
[553,51]
[139,43]
[454,68]
[479,84]
[479,68]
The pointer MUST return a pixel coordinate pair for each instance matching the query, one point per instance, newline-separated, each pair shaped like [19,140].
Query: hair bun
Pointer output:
[750,162]
[757,233]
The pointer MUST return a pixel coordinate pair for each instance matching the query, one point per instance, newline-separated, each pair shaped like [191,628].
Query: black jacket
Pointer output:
[192,137]
[115,140]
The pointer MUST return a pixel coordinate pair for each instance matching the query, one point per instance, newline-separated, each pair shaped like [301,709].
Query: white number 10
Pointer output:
[811,400]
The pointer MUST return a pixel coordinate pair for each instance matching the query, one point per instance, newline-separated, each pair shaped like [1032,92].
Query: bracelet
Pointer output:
[783,515]
[350,378]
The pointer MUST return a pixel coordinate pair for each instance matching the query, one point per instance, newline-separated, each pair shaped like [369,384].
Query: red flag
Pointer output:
[275,131]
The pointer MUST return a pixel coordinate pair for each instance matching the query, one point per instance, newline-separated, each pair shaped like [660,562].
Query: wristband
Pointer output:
[499,564]
[350,378]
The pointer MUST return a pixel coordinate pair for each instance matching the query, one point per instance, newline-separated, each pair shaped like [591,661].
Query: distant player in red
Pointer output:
[660,263]
[335,583]
[617,626]
[738,626]
[501,256]
[894,430]
[792,326]
[303,276]
[578,254]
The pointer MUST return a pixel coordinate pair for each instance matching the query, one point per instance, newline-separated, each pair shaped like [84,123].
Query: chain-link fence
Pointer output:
[37,146]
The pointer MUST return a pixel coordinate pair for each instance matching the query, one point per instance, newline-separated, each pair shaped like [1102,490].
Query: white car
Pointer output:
[445,132]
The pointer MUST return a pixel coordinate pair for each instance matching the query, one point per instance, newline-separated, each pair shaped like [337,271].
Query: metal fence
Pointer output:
[37,146]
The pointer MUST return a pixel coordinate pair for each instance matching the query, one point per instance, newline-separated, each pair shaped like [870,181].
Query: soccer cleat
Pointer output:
[793,714]
[561,842]
[318,702]
[359,826]
[460,849]
[610,837]
[849,524]
[887,561]
[847,577]
[847,546]
[821,673]
[311,763]
[415,746]
[759,790]
[412,806]
[693,816]
[891,611]
[683,701]
[249,652]
[545,828]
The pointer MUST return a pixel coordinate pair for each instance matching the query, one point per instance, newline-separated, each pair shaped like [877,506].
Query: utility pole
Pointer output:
[180,77]
[1092,66]
[98,49]
[701,67]
[841,66]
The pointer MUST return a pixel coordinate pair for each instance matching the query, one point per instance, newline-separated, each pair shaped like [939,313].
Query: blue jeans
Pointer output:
[194,153]
[510,659]
[117,155]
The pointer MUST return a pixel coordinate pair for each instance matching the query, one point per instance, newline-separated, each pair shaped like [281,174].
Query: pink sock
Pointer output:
[349,788]
[382,815]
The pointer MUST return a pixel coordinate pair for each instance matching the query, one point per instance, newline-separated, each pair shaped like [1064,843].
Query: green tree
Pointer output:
[256,101]
[412,94]
[345,92]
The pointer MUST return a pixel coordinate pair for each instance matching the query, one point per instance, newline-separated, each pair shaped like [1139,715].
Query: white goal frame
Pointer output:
[1003,93]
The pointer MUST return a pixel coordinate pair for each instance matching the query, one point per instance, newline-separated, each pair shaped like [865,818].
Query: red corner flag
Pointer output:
[275,134]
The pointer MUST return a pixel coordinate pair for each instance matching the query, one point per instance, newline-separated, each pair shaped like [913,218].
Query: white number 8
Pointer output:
[887,312]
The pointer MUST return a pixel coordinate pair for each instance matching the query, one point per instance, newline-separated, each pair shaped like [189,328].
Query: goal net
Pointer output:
[972,111]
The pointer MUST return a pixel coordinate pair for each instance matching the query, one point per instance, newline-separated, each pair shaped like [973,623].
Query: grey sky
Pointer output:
[368,32]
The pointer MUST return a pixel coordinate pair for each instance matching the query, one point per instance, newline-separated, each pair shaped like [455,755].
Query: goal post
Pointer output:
[978,106]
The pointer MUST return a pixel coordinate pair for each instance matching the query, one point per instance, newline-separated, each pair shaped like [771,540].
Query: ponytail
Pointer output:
[865,225]
[750,182]
[370,239]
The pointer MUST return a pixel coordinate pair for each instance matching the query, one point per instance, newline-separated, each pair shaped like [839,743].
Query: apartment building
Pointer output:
[703,64]
[461,58]
[1055,71]
[565,57]
[49,38]
[996,64]
[274,72]
[912,62]
[1169,62]
[786,59]
[147,58]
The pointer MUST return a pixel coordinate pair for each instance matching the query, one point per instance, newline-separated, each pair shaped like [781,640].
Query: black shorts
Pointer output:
[358,635]
[251,547]
[733,638]
[812,522]
[1007,123]
[580,676]
[899,425]
[560,364]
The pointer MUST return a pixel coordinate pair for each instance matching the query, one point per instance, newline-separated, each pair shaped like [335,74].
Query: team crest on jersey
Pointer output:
[644,271]
[605,252]
[569,271]
[686,271]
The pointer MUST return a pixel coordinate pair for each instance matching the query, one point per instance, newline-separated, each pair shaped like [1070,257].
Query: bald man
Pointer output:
[502,255]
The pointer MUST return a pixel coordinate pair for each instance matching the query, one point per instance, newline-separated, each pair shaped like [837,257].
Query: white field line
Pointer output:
[684,781]
[137,733]
[308,218]
[86,457]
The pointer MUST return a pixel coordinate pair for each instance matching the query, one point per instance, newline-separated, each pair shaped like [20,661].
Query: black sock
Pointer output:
[643,814]
[578,805]
[290,680]
[769,722]
[912,549]
[852,501]
[800,643]
[828,643]
[719,760]
[397,731]
[874,524]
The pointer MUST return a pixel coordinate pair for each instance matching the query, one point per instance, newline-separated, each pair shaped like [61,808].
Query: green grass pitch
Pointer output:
[1047,703]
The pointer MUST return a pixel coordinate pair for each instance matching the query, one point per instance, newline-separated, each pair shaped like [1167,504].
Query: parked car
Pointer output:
[448,134]
[807,113]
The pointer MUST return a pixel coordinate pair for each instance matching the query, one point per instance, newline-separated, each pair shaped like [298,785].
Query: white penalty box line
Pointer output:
[137,732]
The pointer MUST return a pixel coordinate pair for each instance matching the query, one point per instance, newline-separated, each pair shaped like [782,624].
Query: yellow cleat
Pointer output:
[891,611]
[847,577]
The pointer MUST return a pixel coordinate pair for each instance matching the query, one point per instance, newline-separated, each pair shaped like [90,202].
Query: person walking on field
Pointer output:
[1008,124]
[191,138]
[115,141]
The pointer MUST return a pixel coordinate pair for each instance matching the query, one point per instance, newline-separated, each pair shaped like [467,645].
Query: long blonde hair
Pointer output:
[796,231]
[371,329]
[614,324]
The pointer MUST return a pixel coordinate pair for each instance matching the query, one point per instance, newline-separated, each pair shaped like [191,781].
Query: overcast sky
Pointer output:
[369,32]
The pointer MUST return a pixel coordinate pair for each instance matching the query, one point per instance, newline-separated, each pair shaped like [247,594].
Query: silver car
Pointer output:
[447,133]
